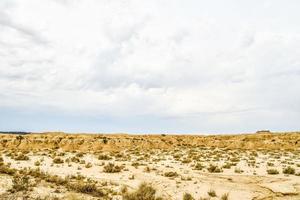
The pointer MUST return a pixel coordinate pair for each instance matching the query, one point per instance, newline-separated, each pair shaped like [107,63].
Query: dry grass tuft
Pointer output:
[144,192]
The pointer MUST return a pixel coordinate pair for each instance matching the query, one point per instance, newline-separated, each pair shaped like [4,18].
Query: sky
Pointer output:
[158,66]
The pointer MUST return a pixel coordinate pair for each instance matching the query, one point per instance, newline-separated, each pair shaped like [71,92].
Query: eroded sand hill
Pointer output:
[85,142]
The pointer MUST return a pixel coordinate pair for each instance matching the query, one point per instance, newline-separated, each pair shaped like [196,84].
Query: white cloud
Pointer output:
[204,67]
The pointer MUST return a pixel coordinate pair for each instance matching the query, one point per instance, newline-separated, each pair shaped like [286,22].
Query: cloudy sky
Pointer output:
[146,66]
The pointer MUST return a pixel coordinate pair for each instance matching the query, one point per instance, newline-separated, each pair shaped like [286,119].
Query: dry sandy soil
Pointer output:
[150,167]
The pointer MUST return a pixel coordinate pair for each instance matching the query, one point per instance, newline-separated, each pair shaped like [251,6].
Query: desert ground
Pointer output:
[258,166]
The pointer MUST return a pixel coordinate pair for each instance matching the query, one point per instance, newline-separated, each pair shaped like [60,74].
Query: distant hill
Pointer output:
[14,132]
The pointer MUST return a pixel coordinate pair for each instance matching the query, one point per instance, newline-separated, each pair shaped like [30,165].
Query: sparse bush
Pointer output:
[225,196]
[135,164]
[20,183]
[170,174]
[58,160]
[5,169]
[214,169]
[37,163]
[83,187]
[198,166]
[144,192]
[82,162]
[80,154]
[112,168]
[21,156]
[124,189]
[105,140]
[212,193]
[147,169]
[234,159]
[186,160]
[75,159]
[272,171]
[288,170]
[88,165]
[104,157]
[238,170]
[227,165]
[188,196]
[131,177]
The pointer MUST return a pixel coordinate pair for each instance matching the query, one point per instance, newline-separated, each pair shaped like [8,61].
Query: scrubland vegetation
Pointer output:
[180,171]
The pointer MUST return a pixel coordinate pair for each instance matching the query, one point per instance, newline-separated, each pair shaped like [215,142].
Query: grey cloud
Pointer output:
[134,59]
[31,34]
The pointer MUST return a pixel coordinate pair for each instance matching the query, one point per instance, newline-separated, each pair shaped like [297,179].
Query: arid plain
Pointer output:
[258,166]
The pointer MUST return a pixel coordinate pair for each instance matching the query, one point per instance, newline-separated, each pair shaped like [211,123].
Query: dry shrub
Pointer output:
[214,169]
[20,183]
[37,163]
[4,169]
[86,187]
[75,159]
[225,196]
[212,193]
[170,174]
[188,196]
[104,157]
[144,192]
[112,168]
[272,171]
[198,166]
[88,165]
[21,156]
[288,170]
[58,160]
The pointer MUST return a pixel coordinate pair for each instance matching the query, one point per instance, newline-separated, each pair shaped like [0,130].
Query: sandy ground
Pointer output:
[243,173]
